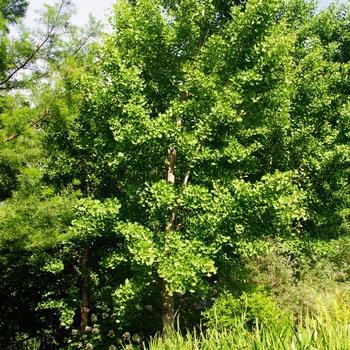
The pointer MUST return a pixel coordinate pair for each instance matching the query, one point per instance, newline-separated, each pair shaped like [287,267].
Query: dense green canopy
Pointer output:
[169,154]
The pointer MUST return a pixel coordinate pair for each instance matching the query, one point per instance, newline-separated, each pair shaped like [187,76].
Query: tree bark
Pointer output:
[171,166]
[168,310]
[84,320]
[167,297]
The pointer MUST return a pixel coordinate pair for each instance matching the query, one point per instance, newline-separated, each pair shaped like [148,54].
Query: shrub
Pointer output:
[250,307]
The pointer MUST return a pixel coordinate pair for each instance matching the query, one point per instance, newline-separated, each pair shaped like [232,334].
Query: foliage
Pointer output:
[250,307]
[238,102]
[36,266]
[34,271]
[304,277]
[244,103]
[310,333]
[34,62]
[124,153]
[12,10]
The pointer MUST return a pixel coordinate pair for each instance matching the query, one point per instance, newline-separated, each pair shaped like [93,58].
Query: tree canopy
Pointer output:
[182,143]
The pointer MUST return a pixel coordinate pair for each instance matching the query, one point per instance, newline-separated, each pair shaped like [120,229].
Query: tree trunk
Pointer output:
[84,320]
[167,298]
[168,310]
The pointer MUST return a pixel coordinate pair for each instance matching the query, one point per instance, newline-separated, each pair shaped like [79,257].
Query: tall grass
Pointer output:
[310,333]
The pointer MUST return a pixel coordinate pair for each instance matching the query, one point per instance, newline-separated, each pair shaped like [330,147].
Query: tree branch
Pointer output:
[34,53]
[14,136]
[184,184]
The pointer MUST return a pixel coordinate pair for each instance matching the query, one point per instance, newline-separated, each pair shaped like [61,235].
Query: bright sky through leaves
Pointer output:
[99,8]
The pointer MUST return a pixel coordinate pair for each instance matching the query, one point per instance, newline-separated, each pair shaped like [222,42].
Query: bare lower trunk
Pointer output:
[84,320]
[167,296]
[168,310]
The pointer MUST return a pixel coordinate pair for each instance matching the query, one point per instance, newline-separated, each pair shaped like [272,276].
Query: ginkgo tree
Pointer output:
[182,120]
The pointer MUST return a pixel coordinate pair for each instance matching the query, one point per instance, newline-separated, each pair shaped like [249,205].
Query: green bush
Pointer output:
[304,277]
[250,307]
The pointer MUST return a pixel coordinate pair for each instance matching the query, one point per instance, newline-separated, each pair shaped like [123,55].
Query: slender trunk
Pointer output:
[84,312]
[84,320]
[171,166]
[168,310]
[167,297]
